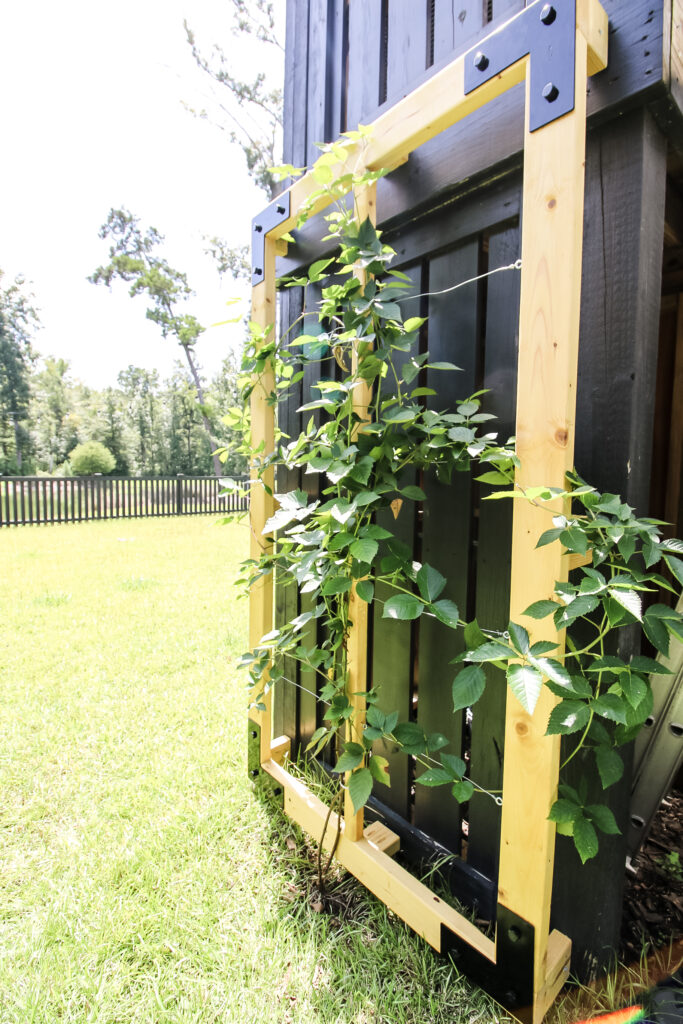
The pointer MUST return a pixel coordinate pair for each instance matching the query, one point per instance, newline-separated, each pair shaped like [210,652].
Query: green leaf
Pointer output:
[430,582]
[548,537]
[656,632]
[442,366]
[414,493]
[676,567]
[446,612]
[603,818]
[629,600]
[317,735]
[462,791]
[566,717]
[540,609]
[473,635]
[455,765]
[519,637]
[525,682]
[414,323]
[411,737]
[493,478]
[585,839]
[574,539]
[339,541]
[492,651]
[435,741]
[364,550]
[365,590]
[468,687]
[609,706]
[434,777]
[564,810]
[351,758]
[610,766]
[649,666]
[360,788]
[335,585]
[403,606]
[577,608]
[378,769]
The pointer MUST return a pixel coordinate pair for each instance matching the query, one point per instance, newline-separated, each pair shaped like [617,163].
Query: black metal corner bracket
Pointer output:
[264,784]
[260,226]
[546,33]
[511,979]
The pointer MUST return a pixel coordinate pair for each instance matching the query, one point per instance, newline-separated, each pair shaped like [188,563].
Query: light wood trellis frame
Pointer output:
[552,231]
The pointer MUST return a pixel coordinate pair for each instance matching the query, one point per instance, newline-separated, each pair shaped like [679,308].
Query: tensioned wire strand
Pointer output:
[517,265]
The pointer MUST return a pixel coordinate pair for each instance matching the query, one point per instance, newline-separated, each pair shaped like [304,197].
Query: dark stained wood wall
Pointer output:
[452,210]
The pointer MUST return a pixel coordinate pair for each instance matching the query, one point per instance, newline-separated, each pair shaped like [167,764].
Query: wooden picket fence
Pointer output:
[34,500]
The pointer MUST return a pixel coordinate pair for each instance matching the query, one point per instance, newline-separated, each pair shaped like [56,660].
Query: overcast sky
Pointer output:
[92,117]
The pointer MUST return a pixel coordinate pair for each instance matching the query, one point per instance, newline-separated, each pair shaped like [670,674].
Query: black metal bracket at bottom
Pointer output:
[511,979]
[264,784]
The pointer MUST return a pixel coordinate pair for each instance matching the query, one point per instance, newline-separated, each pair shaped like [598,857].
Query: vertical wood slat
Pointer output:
[493,552]
[407,46]
[318,92]
[553,188]
[456,23]
[362,97]
[453,328]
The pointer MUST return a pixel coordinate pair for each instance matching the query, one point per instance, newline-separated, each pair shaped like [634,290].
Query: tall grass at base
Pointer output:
[141,881]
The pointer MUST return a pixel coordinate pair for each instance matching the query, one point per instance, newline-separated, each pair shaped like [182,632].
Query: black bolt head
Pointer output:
[258,227]
[258,271]
[548,14]
[280,210]
[550,92]
[253,734]
[514,934]
[481,61]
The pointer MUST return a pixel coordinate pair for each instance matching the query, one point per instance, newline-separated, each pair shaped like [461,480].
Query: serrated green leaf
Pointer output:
[492,651]
[567,717]
[411,737]
[548,537]
[364,550]
[413,492]
[365,590]
[462,791]
[493,478]
[540,609]
[468,687]
[360,788]
[585,839]
[525,682]
[430,582]
[629,600]
[564,810]
[351,758]
[603,817]
[610,765]
[519,637]
[434,777]
[435,741]
[403,606]
[446,612]
[378,769]
[335,585]
[473,635]
[676,567]
[455,765]
[609,706]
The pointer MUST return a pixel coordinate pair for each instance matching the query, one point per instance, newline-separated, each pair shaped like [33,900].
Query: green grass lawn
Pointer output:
[140,880]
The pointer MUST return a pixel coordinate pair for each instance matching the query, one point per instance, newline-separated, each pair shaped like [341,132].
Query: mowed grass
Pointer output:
[140,880]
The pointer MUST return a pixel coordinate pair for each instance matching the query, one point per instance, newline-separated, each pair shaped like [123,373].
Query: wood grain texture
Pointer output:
[295,110]
[362,98]
[262,504]
[412,901]
[407,46]
[546,398]
[456,23]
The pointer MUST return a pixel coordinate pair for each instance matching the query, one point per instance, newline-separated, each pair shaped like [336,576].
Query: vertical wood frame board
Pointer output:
[554,157]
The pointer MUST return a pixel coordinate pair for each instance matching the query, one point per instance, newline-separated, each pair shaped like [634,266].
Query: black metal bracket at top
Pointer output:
[546,33]
[511,979]
[270,218]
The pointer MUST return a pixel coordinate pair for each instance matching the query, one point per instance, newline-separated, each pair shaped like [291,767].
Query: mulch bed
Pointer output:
[653,897]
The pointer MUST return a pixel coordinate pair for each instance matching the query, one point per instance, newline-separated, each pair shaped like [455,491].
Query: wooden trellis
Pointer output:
[526,964]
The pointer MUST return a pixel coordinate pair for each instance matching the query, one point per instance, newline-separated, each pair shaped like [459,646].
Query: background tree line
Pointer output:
[150,426]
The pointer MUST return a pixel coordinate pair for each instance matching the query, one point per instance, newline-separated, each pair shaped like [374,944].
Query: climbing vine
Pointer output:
[334,545]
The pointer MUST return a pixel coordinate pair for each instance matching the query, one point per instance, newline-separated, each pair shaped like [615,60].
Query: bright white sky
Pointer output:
[91,117]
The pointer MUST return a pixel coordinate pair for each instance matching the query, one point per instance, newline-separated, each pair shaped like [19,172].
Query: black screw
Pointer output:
[258,227]
[253,734]
[548,14]
[281,210]
[277,791]
[258,271]
[481,61]
[550,92]
[255,772]
[514,934]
